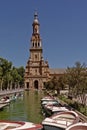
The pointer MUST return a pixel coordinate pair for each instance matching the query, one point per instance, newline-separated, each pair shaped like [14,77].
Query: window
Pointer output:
[35,44]
[35,56]
[38,44]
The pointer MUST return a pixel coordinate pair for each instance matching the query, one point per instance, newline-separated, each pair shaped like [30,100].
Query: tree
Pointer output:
[10,76]
[21,71]
[77,80]
[5,67]
[1,81]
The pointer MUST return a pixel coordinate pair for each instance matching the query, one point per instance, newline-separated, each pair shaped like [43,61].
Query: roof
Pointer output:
[57,71]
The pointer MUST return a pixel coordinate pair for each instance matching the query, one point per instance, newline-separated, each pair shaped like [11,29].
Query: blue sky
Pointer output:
[63,29]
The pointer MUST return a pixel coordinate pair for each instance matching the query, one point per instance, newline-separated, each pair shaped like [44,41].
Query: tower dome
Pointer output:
[35,18]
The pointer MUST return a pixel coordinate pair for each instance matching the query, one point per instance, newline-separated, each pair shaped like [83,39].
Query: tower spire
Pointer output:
[35,24]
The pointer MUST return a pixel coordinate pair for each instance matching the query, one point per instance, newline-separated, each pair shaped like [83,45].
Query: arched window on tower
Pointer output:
[38,44]
[36,71]
[35,44]
[35,57]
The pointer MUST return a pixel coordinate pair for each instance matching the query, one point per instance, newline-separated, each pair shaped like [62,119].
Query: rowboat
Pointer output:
[19,125]
[78,126]
[60,121]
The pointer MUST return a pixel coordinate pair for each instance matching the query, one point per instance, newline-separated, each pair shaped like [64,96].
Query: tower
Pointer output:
[37,70]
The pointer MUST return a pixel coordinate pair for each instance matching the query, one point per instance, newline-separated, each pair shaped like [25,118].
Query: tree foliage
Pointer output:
[54,84]
[77,81]
[10,76]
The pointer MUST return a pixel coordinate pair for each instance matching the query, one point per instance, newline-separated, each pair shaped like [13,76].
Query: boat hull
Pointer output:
[49,127]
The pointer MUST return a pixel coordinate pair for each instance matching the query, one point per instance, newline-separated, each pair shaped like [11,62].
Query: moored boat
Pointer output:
[5,100]
[60,121]
[19,125]
[49,100]
[50,109]
[78,126]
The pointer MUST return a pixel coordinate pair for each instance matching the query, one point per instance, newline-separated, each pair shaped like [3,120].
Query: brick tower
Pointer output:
[37,70]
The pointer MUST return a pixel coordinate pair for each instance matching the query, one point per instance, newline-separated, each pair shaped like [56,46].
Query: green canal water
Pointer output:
[24,108]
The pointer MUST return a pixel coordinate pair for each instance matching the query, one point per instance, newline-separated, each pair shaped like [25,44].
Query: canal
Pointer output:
[25,108]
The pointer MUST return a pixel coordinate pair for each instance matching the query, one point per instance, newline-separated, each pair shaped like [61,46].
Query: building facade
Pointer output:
[37,71]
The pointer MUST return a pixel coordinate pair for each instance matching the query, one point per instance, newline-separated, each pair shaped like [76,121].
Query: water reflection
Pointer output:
[25,108]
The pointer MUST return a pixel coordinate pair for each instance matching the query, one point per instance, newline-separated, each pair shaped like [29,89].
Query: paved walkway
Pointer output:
[6,92]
